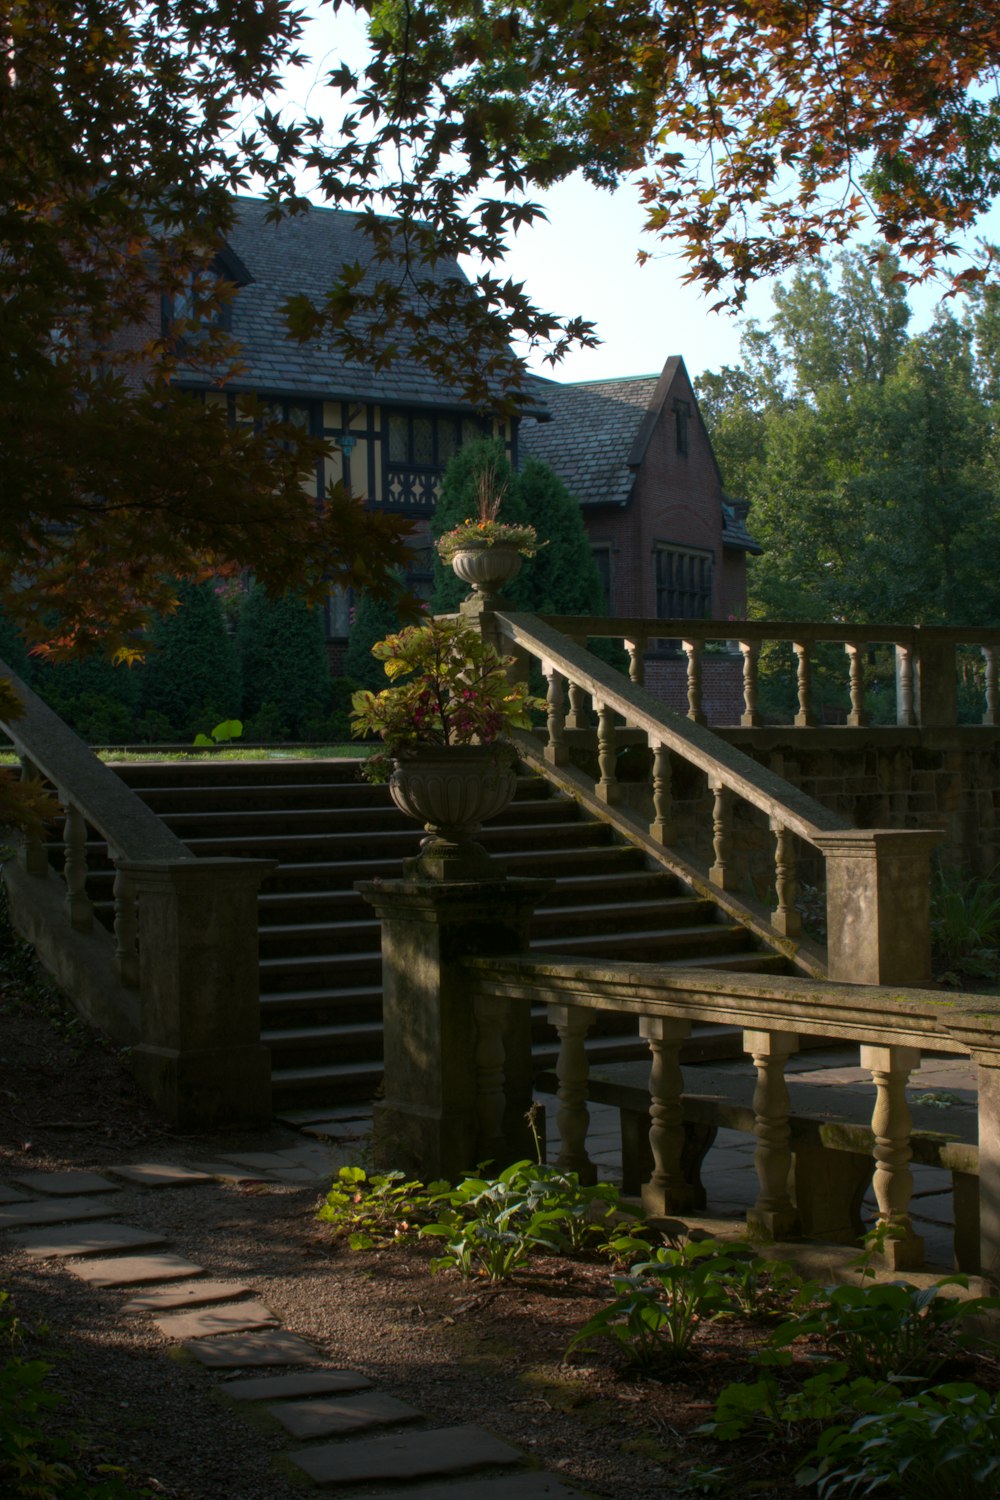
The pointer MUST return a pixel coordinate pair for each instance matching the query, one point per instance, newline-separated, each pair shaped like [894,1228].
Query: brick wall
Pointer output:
[721,685]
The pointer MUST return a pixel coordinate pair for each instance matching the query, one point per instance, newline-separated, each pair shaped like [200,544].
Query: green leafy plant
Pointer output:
[485,529]
[383,1209]
[965,923]
[229,729]
[944,1441]
[785,1413]
[888,1330]
[490,1226]
[35,1463]
[449,687]
[662,1303]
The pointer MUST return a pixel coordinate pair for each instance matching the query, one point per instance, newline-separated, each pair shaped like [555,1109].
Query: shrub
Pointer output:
[284,662]
[458,500]
[191,675]
[965,923]
[374,619]
[95,697]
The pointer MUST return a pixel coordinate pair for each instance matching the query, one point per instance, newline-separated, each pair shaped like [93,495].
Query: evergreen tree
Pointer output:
[191,674]
[458,500]
[286,671]
[373,620]
[562,578]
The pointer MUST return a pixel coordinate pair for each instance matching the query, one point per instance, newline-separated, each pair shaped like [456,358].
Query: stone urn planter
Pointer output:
[452,790]
[486,567]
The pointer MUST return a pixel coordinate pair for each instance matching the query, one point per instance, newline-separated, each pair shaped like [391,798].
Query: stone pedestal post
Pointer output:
[200,1057]
[429,1123]
[934,682]
[878,904]
[989,1168]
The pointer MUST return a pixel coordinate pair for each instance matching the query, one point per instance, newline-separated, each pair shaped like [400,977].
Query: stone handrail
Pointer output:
[178,979]
[926,675]
[774,1011]
[878,918]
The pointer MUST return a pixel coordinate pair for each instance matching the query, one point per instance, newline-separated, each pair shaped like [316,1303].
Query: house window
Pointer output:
[682,413]
[683,584]
[190,304]
[602,557]
[418,447]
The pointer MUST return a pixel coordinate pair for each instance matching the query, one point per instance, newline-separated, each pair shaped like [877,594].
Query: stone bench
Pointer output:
[831,1143]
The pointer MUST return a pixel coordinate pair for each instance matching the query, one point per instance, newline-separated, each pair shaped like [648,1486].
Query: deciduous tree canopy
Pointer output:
[760,131]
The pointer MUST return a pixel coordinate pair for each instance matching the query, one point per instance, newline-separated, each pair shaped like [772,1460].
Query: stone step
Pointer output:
[404,1457]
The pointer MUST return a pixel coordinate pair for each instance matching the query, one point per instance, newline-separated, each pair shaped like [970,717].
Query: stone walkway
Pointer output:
[344,1435]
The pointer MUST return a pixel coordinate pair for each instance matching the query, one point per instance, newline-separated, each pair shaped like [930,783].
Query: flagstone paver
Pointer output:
[528,1486]
[186,1294]
[95,1239]
[51,1211]
[68,1183]
[408,1455]
[203,1322]
[301,1383]
[159,1174]
[233,1351]
[134,1270]
[326,1416]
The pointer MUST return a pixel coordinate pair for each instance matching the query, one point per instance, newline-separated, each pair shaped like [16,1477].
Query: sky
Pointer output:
[582,261]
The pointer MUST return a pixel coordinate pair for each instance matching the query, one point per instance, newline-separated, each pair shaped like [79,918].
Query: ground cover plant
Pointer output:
[848,1388]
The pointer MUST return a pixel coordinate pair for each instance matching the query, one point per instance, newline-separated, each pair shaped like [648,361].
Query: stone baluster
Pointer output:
[721,872]
[990,710]
[81,913]
[692,650]
[579,714]
[857,716]
[805,717]
[572,1023]
[33,854]
[556,750]
[890,1068]
[491,1096]
[906,709]
[636,664]
[774,1211]
[606,788]
[750,716]
[661,829]
[785,918]
[667,1191]
[126,926]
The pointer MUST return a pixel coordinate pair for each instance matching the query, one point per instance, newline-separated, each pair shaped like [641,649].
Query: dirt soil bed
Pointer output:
[457,1351]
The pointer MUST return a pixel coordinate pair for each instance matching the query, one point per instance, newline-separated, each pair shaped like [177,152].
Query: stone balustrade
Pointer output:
[926,665]
[891,1027]
[177,979]
[877,880]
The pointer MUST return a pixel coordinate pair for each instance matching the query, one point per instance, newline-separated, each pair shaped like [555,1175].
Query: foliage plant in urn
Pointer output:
[445,721]
[484,552]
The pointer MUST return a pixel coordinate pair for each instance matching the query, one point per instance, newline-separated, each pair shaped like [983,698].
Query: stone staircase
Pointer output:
[319,942]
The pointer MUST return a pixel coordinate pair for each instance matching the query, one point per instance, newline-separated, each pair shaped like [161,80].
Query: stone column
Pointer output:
[668,1191]
[878,904]
[934,680]
[890,1067]
[200,1057]
[989,1167]
[429,1122]
[572,1022]
[774,1211]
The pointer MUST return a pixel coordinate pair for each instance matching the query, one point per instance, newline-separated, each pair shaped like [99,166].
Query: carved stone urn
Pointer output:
[452,790]
[486,568]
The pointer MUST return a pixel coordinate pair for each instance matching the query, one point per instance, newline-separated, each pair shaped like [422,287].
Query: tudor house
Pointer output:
[634,453]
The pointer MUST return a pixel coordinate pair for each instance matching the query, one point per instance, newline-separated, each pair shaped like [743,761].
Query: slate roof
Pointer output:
[303,254]
[591,435]
[597,438]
